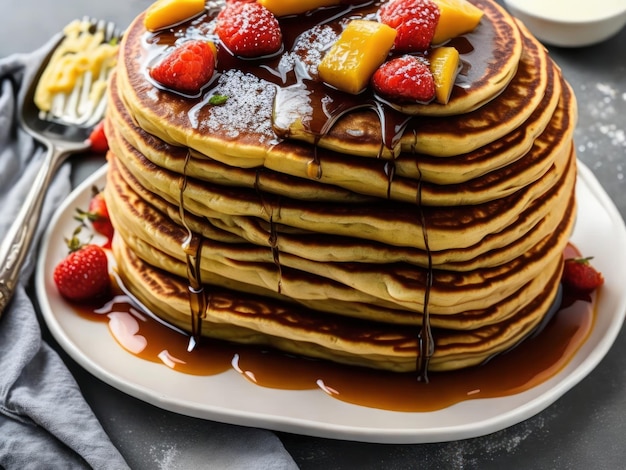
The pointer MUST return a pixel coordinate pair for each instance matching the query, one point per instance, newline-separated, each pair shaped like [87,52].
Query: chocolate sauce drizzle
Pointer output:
[273,241]
[425,338]
[272,238]
[192,247]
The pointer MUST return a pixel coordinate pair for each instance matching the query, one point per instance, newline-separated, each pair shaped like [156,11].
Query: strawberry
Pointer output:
[187,67]
[405,79]
[414,20]
[580,276]
[98,139]
[83,275]
[98,215]
[248,29]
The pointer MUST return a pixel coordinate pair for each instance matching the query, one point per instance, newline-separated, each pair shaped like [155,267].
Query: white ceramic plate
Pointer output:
[228,398]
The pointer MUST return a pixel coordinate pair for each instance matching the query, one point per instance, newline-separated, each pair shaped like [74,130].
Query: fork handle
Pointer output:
[18,239]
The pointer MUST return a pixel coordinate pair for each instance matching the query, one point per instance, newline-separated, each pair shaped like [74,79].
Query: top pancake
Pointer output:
[247,127]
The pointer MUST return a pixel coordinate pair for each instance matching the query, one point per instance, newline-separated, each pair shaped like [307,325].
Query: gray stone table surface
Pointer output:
[584,429]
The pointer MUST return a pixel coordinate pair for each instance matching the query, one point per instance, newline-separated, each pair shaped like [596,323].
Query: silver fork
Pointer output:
[63,131]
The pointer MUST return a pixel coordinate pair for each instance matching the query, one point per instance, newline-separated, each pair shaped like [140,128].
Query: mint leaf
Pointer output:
[217,100]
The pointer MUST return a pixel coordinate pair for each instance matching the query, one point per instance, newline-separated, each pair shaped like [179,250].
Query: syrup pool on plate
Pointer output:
[534,361]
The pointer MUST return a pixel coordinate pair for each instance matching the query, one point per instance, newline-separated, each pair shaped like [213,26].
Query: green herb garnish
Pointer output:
[218,100]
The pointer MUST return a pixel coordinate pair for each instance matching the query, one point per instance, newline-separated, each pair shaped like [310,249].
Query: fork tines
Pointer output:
[108,28]
[85,104]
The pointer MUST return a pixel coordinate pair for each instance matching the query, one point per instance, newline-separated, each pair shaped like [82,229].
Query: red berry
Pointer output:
[187,68]
[414,20]
[83,275]
[98,139]
[249,29]
[98,214]
[405,79]
[579,275]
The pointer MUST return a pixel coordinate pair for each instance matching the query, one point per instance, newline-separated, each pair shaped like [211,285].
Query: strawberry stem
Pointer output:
[580,260]
[74,243]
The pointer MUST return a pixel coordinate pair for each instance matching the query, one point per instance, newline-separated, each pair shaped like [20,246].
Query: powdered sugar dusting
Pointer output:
[601,138]
[312,45]
[470,453]
[168,458]
[246,112]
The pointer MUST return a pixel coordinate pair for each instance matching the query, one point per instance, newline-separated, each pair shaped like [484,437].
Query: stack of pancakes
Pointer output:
[341,227]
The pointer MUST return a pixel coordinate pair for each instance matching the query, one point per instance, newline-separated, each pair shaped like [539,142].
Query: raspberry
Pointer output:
[187,68]
[405,79]
[249,29]
[414,20]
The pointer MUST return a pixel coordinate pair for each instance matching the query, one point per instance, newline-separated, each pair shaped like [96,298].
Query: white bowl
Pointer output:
[570,23]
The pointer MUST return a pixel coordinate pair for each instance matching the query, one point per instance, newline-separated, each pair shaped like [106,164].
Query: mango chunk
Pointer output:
[457,17]
[360,49]
[164,13]
[444,65]
[295,7]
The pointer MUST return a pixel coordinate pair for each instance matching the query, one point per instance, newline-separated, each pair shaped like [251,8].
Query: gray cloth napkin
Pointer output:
[44,420]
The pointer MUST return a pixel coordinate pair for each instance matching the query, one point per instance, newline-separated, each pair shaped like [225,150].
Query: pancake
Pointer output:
[531,225]
[240,132]
[391,284]
[183,160]
[372,221]
[262,321]
[374,179]
[500,152]
[361,133]
[344,227]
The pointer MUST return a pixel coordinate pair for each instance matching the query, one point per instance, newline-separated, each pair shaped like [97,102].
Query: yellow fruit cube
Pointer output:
[164,13]
[444,65]
[457,17]
[360,49]
[294,7]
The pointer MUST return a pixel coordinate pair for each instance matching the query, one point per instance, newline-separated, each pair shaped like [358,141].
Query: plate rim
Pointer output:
[541,397]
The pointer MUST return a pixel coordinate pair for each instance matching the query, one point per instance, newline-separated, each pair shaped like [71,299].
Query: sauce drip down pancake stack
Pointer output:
[337,226]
